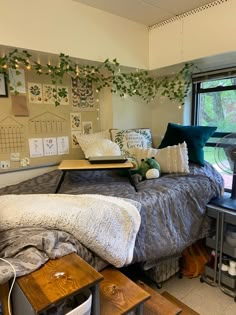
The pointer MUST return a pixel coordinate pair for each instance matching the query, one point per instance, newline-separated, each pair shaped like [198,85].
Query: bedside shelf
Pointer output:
[226,279]
[212,276]
[229,216]
[227,249]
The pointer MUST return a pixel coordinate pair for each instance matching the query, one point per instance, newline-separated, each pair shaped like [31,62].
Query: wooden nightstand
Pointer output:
[57,280]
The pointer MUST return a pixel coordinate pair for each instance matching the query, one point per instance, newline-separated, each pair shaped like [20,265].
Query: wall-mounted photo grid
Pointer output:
[35,132]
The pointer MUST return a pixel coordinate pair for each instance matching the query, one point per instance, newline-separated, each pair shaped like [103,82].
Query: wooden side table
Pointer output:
[85,165]
[56,281]
[4,291]
[120,295]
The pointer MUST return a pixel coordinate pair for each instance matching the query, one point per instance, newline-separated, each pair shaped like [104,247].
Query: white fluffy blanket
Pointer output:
[106,225]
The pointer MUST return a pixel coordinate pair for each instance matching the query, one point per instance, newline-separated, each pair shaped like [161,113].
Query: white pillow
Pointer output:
[172,159]
[103,148]
[86,140]
[132,138]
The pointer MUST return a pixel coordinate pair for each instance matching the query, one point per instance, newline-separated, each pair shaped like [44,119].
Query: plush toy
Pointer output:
[149,168]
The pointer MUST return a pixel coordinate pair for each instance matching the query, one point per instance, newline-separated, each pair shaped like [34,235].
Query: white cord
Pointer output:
[13,282]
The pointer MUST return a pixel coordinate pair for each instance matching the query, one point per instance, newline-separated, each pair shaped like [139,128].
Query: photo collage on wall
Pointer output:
[40,147]
[82,100]
[45,93]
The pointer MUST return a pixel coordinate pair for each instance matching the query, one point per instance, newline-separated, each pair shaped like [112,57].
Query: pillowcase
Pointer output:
[131,138]
[86,140]
[195,137]
[103,148]
[173,159]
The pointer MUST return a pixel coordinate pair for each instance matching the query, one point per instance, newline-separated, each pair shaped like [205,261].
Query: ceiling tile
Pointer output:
[147,12]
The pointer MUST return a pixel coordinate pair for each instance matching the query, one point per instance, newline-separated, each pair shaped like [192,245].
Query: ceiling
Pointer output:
[147,12]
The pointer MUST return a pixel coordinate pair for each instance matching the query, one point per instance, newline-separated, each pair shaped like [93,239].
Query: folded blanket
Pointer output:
[106,225]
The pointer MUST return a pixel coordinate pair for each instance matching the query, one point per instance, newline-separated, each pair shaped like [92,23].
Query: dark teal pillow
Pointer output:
[194,136]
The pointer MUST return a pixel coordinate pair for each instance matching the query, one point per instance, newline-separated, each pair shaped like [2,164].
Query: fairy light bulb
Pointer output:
[49,65]
[77,70]
[97,91]
[28,67]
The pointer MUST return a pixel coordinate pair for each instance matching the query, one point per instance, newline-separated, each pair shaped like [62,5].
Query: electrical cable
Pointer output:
[13,282]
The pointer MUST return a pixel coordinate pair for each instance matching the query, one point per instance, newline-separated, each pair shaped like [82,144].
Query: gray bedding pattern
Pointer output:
[29,248]
[172,212]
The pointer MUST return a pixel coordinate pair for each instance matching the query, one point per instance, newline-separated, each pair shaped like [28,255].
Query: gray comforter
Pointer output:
[172,214]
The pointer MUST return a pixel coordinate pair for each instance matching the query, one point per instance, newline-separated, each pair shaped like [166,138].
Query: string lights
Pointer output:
[106,75]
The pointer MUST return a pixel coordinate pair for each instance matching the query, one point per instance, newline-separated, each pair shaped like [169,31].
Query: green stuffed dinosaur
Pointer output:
[149,168]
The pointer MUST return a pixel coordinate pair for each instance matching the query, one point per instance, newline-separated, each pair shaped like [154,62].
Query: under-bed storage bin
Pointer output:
[83,308]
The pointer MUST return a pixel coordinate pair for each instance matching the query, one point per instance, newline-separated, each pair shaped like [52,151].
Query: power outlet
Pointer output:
[5,164]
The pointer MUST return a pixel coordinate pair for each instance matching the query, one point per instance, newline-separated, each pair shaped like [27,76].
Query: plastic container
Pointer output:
[85,307]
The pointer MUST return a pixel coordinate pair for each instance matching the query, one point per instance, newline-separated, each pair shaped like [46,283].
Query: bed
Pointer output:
[172,217]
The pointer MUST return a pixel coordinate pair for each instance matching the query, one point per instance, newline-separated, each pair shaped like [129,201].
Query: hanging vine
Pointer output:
[107,74]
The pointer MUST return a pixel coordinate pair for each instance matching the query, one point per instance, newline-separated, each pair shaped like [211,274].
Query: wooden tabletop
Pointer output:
[86,165]
[119,294]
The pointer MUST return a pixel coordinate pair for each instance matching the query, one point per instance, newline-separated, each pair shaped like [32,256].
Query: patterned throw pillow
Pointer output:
[86,140]
[132,138]
[172,159]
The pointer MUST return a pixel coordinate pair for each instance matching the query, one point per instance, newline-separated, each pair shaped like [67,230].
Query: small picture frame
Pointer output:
[3,86]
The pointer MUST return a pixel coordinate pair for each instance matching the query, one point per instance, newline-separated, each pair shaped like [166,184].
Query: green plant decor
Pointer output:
[106,74]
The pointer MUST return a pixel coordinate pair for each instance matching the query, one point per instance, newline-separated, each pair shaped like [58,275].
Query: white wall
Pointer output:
[199,35]
[164,111]
[131,112]
[78,30]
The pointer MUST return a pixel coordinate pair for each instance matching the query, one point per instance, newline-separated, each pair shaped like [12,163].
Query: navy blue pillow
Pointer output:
[194,136]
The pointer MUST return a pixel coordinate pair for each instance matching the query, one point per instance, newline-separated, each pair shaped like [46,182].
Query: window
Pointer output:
[214,104]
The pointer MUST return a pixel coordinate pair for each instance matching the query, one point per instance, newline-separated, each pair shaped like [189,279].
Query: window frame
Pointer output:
[197,91]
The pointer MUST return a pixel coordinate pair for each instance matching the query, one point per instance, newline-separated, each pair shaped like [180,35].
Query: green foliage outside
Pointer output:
[218,108]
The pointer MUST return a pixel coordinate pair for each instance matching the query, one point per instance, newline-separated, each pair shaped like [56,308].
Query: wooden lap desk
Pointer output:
[85,165]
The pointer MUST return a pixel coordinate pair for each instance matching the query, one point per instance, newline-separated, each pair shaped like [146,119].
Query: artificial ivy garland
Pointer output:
[107,74]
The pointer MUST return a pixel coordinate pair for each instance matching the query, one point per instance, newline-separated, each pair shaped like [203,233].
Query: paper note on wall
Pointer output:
[62,145]
[17,80]
[36,147]
[50,146]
